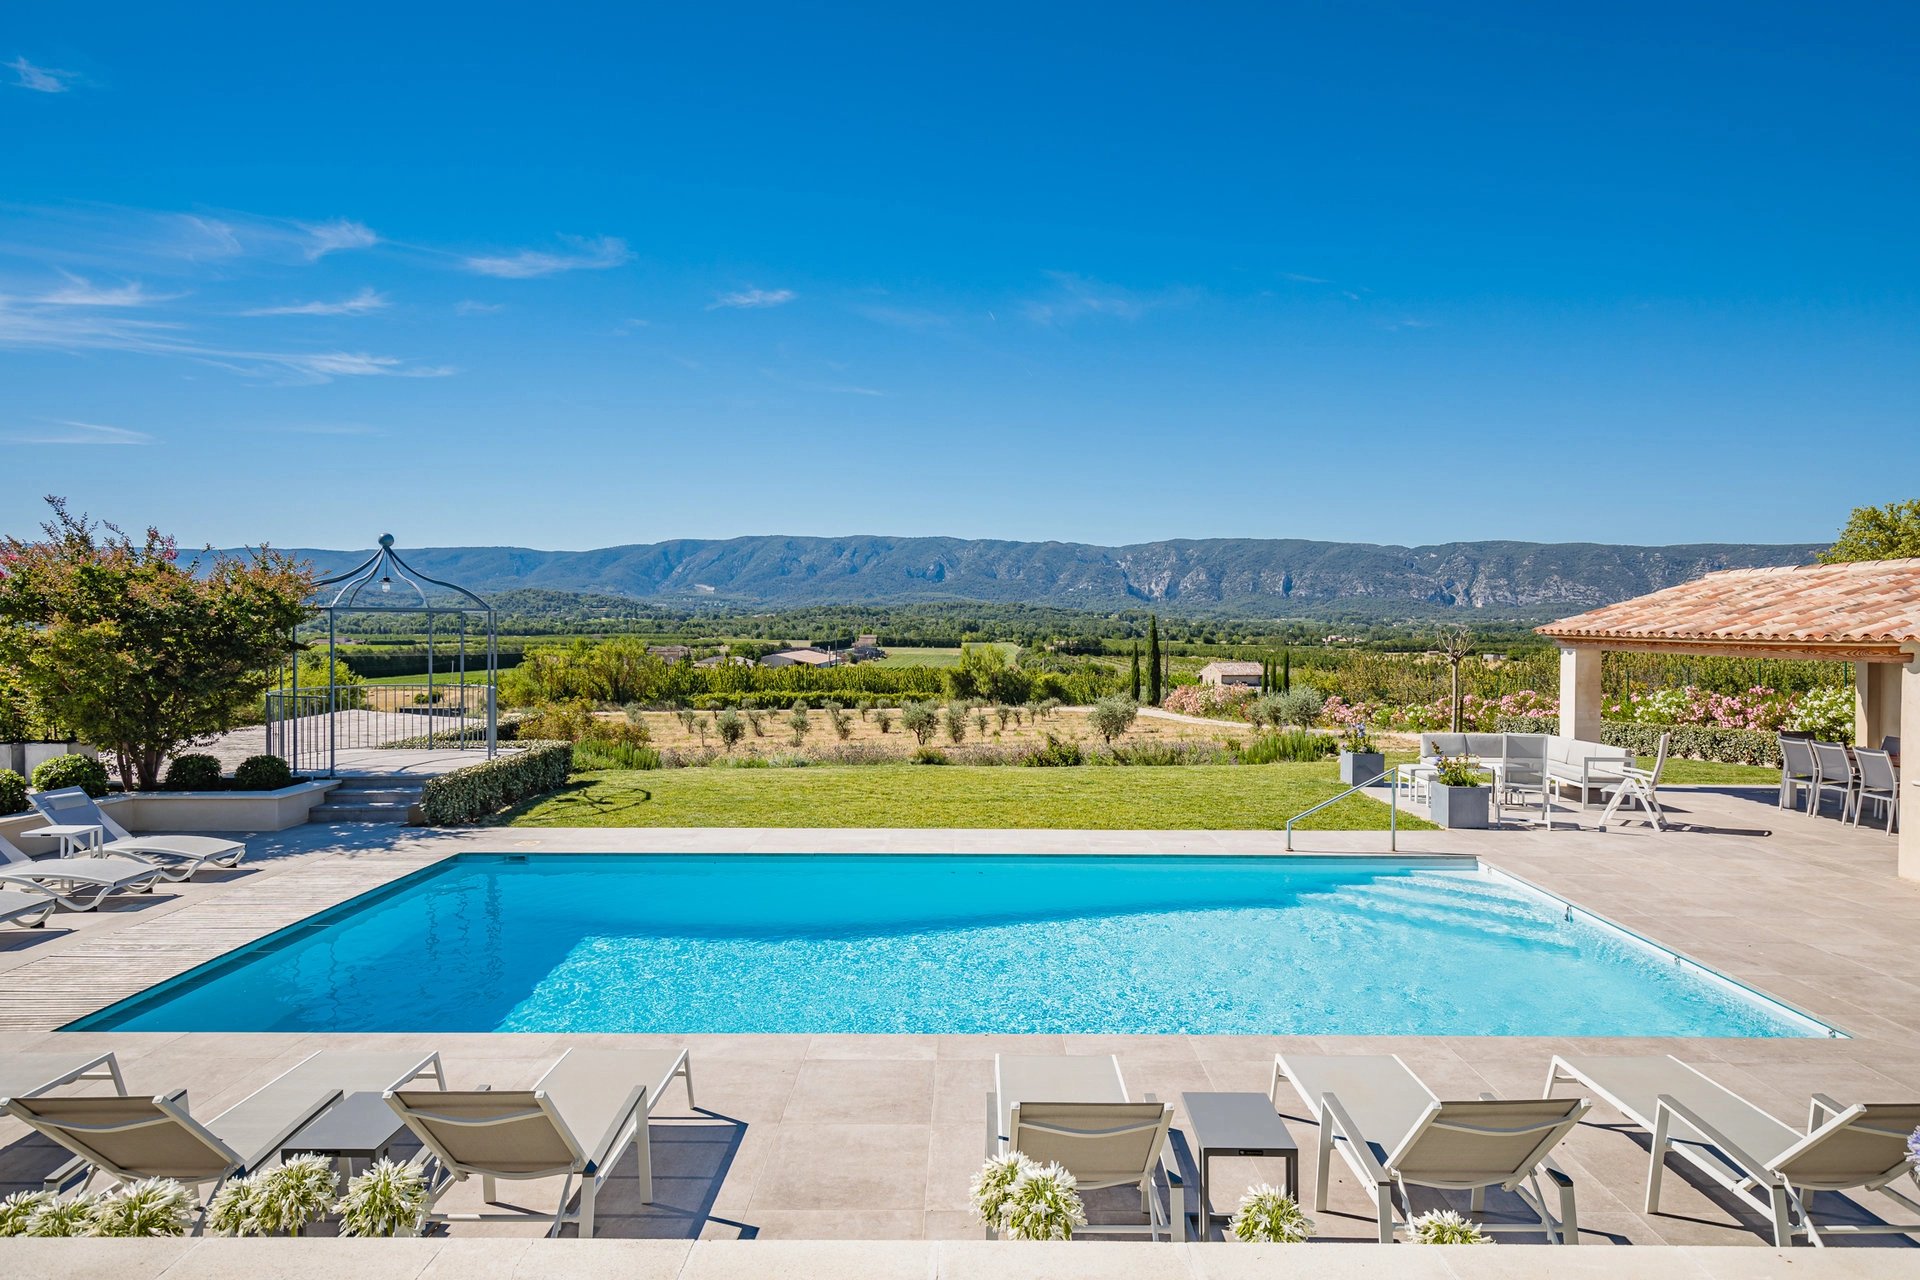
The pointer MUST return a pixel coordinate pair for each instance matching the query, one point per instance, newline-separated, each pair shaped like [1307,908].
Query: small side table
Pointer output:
[75,838]
[361,1126]
[1237,1124]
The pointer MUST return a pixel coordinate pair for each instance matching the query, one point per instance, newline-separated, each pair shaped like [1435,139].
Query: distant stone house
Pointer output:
[670,652]
[724,660]
[801,658]
[1239,675]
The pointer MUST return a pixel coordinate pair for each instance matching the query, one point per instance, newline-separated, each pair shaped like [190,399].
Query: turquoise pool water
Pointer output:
[803,943]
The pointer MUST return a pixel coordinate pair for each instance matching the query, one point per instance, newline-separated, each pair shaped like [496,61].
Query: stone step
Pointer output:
[373,795]
[353,811]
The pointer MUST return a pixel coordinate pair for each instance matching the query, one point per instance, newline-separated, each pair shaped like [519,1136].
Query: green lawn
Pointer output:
[1186,797]
[1696,772]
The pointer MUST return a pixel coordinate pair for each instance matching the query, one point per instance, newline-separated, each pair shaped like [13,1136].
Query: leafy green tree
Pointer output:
[732,727]
[956,717]
[1891,532]
[135,652]
[1111,717]
[1154,670]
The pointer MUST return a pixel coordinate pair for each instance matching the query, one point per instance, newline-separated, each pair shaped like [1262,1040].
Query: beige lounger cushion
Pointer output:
[1379,1091]
[1874,1143]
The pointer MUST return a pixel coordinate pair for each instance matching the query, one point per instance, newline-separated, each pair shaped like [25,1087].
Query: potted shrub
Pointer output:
[1360,760]
[1459,794]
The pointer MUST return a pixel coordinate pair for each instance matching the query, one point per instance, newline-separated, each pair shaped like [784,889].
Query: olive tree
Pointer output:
[798,722]
[732,727]
[120,643]
[1113,716]
[921,720]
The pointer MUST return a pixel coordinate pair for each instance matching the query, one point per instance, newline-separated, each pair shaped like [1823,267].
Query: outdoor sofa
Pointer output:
[1565,763]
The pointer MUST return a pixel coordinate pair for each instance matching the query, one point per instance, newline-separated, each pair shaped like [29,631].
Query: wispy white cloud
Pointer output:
[751,298]
[62,431]
[39,79]
[585,254]
[31,325]
[468,307]
[1076,297]
[362,303]
[80,292]
[332,237]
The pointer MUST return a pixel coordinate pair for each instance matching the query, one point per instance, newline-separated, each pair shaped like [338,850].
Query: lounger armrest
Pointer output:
[1340,1125]
[1824,1108]
[1748,1162]
[993,1123]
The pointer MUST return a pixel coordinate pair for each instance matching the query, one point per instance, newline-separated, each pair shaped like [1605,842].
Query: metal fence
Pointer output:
[310,728]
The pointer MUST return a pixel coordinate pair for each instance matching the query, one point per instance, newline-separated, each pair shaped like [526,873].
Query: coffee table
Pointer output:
[1237,1124]
[76,839]
[360,1126]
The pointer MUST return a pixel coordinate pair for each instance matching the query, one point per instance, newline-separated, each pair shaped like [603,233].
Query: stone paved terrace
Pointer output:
[837,1137]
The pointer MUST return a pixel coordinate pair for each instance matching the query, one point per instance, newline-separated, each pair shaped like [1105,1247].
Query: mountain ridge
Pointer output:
[1195,574]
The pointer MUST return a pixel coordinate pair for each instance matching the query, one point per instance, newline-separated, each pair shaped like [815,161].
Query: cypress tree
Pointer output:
[1286,671]
[1136,671]
[1153,660]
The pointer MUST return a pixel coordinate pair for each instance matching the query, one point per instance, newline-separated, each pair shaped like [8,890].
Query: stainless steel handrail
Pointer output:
[1393,807]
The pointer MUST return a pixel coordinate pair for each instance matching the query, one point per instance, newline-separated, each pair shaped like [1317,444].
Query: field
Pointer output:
[1194,797]
[906,656]
[668,733]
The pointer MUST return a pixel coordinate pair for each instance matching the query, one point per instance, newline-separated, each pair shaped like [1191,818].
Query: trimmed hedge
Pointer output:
[478,790]
[71,771]
[192,773]
[262,773]
[1689,742]
[13,792]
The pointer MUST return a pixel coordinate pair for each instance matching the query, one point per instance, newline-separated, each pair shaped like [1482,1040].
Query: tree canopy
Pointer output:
[1891,532]
[134,651]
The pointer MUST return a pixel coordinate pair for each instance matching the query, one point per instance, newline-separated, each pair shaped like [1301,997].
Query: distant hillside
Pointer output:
[1216,575]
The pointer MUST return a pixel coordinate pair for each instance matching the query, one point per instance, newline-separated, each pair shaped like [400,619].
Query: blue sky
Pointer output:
[570,276]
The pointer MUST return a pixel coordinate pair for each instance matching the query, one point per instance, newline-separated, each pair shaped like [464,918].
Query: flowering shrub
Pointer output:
[1444,1226]
[1027,1201]
[1826,712]
[1477,714]
[1268,1215]
[1221,702]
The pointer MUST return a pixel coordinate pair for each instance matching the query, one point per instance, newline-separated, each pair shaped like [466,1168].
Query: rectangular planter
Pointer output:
[1362,766]
[225,811]
[1459,808]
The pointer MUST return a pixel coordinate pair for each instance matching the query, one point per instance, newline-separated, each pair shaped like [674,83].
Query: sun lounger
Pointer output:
[27,906]
[574,1122]
[76,883]
[129,1138]
[71,806]
[1394,1133]
[1743,1149]
[1075,1110]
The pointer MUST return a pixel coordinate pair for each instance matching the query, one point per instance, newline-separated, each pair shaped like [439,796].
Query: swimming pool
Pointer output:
[957,944]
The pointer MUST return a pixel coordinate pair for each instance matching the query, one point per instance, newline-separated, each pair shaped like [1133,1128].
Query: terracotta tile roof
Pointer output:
[1872,603]
[1232,667]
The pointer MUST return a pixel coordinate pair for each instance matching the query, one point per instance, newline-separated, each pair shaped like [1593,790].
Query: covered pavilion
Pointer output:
[1866,613]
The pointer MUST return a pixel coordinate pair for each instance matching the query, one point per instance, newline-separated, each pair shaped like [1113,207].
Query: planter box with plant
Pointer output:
[1360,760]
[1459,796]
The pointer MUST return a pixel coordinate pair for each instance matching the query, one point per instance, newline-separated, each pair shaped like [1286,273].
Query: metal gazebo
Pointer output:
[310,727]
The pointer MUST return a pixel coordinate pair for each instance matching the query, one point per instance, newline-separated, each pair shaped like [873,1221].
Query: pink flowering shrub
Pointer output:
[1477,714]
[1221,702]
[1759,708]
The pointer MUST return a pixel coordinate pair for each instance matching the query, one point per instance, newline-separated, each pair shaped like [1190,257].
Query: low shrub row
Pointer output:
[1689,741]
[13,792]
[478,790]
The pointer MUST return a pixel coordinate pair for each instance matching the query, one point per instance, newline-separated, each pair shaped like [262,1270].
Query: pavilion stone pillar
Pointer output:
[1910,761]
[1876,702]
[1580,693]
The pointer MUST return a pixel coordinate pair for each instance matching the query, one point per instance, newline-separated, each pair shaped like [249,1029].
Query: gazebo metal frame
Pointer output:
[340,595]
